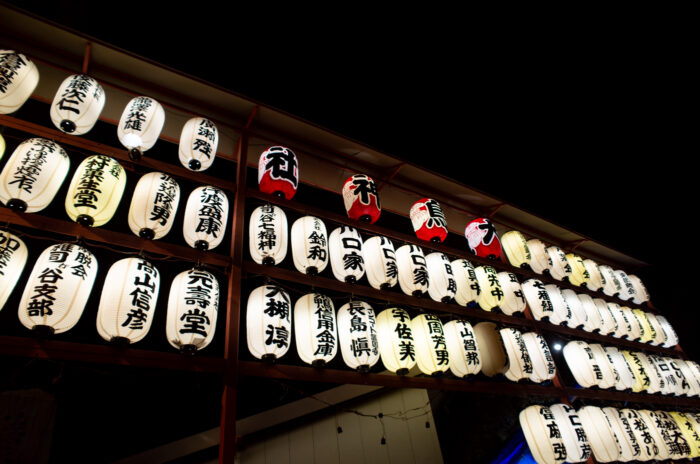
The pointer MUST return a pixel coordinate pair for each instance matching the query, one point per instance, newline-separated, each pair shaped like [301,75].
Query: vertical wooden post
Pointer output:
[86,57]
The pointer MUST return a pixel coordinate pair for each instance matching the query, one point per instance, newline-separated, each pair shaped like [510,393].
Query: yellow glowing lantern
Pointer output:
[95,191]
[540,260]
[515,247]
[579,275]
[641,377]
[688,429]
[491,291]
[396,345]
[596,280]
[493,357]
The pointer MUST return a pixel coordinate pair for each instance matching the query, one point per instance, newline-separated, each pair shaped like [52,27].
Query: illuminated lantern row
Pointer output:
[268,322]
[309,245]
[428,220]
[206,215]
[95,190]
[516,249]
[357,334]
[380,262]
[627,290]
[361,198]
[345,245]
[413,271]
[199,141]
[154,205]
[540,261]
[140,125]
[315,329]
[33,175]
[538,301]
[267,235]
[18,79]
[482,239]
[278,172]
[13,257]
[193,308]
[77,104]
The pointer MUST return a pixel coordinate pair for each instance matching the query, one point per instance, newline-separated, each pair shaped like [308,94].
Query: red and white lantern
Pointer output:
[361,198]
[428,220]
[482,239]
[278,172]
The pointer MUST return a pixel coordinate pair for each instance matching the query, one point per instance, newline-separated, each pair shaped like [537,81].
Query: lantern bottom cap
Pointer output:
[312,270]
[446,299]
[188,349]
[85,220]
[402,371]
[269,357]
[417,293]
[42,331]
[366,218]
[194,165]
[385,286]
[201,245]
[436,239]
[350,279]
[318,363]
[134,154]
[147,233]
[363,369]
[278,194]
[268,261]
[15,204]
[120,341]
[524,266]
[67,126]
[494,257]
[437,374]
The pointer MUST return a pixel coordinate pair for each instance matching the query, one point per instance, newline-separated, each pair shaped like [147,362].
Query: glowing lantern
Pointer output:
[515,247]
[267,235]
[13,257]
[671,337]
[600,434]
[672,436]
[95,191]
[315,329]
[361,198]
[692,420]
[635,327]
[193,307]
[467,283]
[577,447]
[668,383]
[641,377]
[540,260]
[491,294]
[432,356]
[206,214]
[687,428]
[154,205]
[659,447]
[482,239]
[542,435]
[593,319]
[561,308]
[441,283]
[596,280]
[2,146]
[358,335]
[345,245]
[396,345]
[608,373]
[543,367]
[578,315]
[626,379]
[582,364]
[579,275]
[621,322]
[380,262]
[648,446]
[627,290]
[18,79]
[647,333]
[687,374]
[519,362]
[641,295]
[278,172]
[493,357]
[140,125]
[58,288]
[611,285]
[655,382]
[428,220]
[560,266]
[413,270]
[268,323]
[630,448]
[463,348]
[513,299]
[608,324]
[77,104]
[539,302]
[128,301]
[659,336]
[309,245]
[199,140]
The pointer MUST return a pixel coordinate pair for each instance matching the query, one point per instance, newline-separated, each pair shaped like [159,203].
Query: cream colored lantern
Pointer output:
[543,367]
[593,318]
[612,284]
[513,298]
[626,378]
[609,375]
[641,294]
[647,418]
[515,247]
[657,333]
[193,307]
[18,79]
[656,382]
[623,325]
[154,205]
[519,362]
[647,332]
[578,314]
[267,235]
[413,270]
[493,356]
[432,356]
[635,329]
[95,191]
[315,329]
[441,282]
[596,280]
[380,262]
[635,434]
[345,247]
[206,215]
[600,434]
[572,434]
[542,435]
[540,260]
[608,324]
[268,322]
[561,308]
[13,257]
[627,290]
[199,140]
[687,429]
[462,347]
[676,444]
[77,104]
[140,125]
[491,294]
[357,333]
[539,302]
[671,337]
[396,345]
[309,245]
[582,364]
[560,266]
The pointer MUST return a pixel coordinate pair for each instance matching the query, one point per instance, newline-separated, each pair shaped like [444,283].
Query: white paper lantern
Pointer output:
[345,246]
[630,448]
[206,215]
[596,280]
[380,262]
[561,308]
[621,322]
[432,356]
[193,307]
[600,434]
[267,235]
[656,382]
[641,377]
[560,266]
[612,285]
[627,290]
[199,140]
[33,175]
[441,282]
[626,378]
[539,302]
[413,270]
[593,320]
[641,294]
[268,322]
[540,260]
[671,337]
[671,435]
[608,324]
[578,314]
[18,79]
[648,447]
[128,301]
[543,367]
[140,125]
[659,336]
[95,191]
[13,257]
[572,434]
[462,347]
[315,329]
[519,362]
[635,327]
[77,104]
[58,288]
[467,284]
[516,249]
[648,418]
[669,383]
[309,245]
[396,345]
[358,335]
[513,298]
[542,435]
[687,376]
[154,205]
[582,364]
[607,369]
[493,356]
[491,294]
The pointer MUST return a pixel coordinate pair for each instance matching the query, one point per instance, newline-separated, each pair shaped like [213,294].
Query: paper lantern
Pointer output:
[154,205]
[561,308]
[668,382]
[268,322]
[18,79]
[380,262]
[278,172]
[596,280]
[626,378]
[579,275]
[482,239]
[345,245]
[309,245]
[641,377]
[467,284]
[600,434]
[608,372]
[493,356]
[33,175]
[687,376]
[608,324]
[2,146]
[58,288]
[267,235]
[358,335]
[519,362]
[315,329]
[206,214]
[641,295]
[199,141]
[515,248]
[659,336]
[491,294]
[539,302]
[441,282]
[578,315]
[572,434]
[671,337]
[95,191]
[413,270]
[655,382]
[633,324]
[462,347]
[611,285]
[630,429]
[627,290]
[361,198]
[687,429]
[542,435]
[593,319]
[432,356]
[543,367]
[648,418]
[540,261]
[128,301]
[13,257]
[193,307]
[428,220]
[671,435]
[647,333]
[623,325]
[582,364]
[140,125]
[396,345]
[560,265]
[513,298]
[77,104]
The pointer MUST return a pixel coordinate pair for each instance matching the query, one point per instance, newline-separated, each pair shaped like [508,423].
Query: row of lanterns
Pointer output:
[559,433]
[37,168]
[61,281]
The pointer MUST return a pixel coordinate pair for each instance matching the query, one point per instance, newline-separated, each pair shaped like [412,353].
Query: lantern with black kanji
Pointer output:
[268,322]
[467,283]
[625,379]
[199,140]
[491,294]
[413,270]
[58,289]
[206,215]
[95,191]
[513,298]
[18,79]
[441,282]
[33,175]
[579,274]
[345,247]
[630,449]
[612,284]
[516,249]
[578,315]
[357,332]
[77,104]
[608,373]
[309,245]
[627,290]
[608,324]
[542,435]
[380,262]
[315,329]
[540,261]
[432,356]
[13,257]
[128,301]
[596,280]
[193,308]
[593,318]
[601,436]
[154,205]
[462,347]
[571,431]
[396,345]
[140,125]
[278,172]
[641,294]
[543,367]
[428,220]
[361,198]
[650,420]
[538,301]
[482,239]
[267,235]
[560,268]
[561,308]
[582,364]
[519,363]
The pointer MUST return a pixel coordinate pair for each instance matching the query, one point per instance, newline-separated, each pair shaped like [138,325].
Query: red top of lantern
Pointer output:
[361,198]
[278,172]
[428,220]
[482,239]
